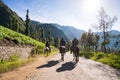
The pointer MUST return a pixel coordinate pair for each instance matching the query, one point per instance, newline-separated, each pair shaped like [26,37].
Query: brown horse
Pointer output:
[75,51]
[62,52]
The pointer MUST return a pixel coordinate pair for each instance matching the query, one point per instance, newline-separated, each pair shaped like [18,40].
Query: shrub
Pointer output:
[109,59]
[99,55]
[14,57]
[86,54]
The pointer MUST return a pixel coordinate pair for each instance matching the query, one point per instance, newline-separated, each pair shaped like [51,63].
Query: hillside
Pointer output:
[17,38]
[61,31]
[55,31]
[7,15]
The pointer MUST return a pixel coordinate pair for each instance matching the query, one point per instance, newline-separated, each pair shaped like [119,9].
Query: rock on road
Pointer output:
[85,69]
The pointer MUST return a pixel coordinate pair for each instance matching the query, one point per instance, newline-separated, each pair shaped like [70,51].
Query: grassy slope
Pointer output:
[22,39]
[12,35]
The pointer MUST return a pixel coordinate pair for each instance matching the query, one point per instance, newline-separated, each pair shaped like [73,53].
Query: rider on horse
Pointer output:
[75,42]
[47,48]
[62,48]
[47,44]
[62,43]
[75,48]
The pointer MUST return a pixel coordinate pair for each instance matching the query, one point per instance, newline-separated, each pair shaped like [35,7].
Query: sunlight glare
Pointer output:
[91,5]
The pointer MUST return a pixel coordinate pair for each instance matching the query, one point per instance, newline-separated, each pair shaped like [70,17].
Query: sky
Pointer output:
[81,14]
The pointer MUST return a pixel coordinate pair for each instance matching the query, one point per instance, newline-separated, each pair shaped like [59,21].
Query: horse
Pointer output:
[46,50]
[71,51]
[75,51]
[62,52]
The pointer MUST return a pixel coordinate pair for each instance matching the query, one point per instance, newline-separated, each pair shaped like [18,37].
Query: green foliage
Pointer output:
[6,18]
[1,35]
[14,57]
[109,59]
[20,38]
[27,24]
[98,55]
[50,30]
[10,65]
[43,39]
[89,41]
[86,54]
[57,42]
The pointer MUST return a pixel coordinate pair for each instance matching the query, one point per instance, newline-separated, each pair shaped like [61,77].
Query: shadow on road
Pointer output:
[67,66]
[49,64]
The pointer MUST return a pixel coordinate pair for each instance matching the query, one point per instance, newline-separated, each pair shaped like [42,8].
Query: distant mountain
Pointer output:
[56,32]
[114,39]
[6,16]
[70,31]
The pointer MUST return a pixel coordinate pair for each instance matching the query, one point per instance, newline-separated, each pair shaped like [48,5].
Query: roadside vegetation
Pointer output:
[110,59]
[14,61]
[95,46]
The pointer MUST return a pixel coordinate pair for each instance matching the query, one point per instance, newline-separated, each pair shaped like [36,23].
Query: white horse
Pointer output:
[46,50]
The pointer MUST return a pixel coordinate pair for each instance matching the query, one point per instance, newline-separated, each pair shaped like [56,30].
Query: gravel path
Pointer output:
[86,69]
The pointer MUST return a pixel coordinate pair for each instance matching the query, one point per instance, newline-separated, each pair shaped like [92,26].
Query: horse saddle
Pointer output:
[62,49]
[47,48]
[62,46]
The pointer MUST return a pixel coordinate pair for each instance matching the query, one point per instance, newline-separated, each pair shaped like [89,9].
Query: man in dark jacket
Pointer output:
[62,42]
[62,48]
[75,49]
[75,42]
[48,45]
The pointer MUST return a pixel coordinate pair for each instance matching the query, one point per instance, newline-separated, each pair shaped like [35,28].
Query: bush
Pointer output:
[14,57]
[8,66]
[109,59]
[99,55]
[86,54]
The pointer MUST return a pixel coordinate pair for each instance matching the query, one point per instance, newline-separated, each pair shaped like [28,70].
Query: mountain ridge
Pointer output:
[69,31]
[55,32]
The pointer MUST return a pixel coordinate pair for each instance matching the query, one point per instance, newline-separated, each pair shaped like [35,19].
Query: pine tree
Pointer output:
[10,23]
[43,35]
[27,30]
[32,34]
[52,41]
[49,35]
[57,42]
[39,34]
[13,23]
[16,26]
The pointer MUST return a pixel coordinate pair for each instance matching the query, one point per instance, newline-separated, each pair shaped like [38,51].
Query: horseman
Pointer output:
[75,48]
[75,42]
[62,48]
[48,46]
[62,42]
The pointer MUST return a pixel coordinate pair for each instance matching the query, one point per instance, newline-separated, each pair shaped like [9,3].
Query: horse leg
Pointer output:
[73,57]
[76,59]
[62,56]
[44,52]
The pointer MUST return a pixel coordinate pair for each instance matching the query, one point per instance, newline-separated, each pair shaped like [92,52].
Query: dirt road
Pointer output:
[52,68]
